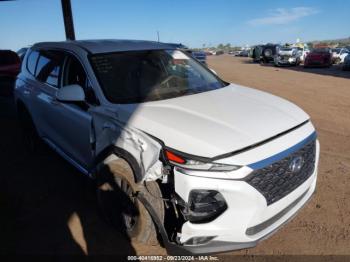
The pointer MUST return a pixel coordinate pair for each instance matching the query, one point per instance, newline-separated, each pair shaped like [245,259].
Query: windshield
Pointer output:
[141,76]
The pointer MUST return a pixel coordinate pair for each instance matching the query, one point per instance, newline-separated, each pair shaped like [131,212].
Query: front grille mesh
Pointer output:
[276,180]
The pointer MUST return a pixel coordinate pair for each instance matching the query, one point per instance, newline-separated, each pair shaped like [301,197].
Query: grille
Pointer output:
[277,180]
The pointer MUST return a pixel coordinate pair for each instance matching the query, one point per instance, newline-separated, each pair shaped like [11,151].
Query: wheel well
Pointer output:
[122,153]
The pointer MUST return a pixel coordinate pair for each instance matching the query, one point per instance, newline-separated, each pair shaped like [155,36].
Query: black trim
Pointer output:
[132,162]
[259,143]
[208,159]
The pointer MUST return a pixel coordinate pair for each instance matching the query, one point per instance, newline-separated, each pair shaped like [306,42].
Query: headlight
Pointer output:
[177,159]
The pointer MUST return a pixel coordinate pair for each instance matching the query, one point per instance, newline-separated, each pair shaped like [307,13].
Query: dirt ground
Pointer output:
[47,207]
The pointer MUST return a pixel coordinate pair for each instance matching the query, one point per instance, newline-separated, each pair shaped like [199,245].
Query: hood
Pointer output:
[215,122]
[291,52]
[318,55]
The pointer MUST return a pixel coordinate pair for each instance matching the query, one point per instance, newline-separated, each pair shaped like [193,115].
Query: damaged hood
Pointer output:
[215,122]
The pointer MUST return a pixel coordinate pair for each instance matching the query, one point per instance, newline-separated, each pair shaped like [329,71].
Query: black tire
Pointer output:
[116,191]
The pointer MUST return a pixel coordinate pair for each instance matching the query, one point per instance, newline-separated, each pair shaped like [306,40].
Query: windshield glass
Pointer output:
[286,49]
[141,76]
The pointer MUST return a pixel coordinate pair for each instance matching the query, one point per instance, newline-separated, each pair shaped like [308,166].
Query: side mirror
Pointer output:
[213,71]
[71,93]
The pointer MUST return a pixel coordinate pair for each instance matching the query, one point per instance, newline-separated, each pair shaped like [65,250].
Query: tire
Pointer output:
[268,52]
[116,190]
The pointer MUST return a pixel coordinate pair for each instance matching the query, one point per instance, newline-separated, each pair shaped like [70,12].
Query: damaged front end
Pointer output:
[151,161]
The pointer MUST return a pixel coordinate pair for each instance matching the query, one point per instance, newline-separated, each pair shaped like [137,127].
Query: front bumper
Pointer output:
[225,246]
[248,218]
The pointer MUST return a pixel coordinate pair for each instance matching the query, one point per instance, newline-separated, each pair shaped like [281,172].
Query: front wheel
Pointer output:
[116,193]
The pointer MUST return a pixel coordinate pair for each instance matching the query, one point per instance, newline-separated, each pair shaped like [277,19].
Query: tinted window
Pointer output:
[31,62]
[140,76]
[49,66]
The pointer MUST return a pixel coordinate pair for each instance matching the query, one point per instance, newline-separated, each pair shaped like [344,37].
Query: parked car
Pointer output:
[344,54]
[268,53]
[212,166]
[303,52]
[255,53]
[338,55]
[287,56]
[219,52]
[9,68]
[199,55]
[9,64]
[320,57]
[244,53]
[346,64]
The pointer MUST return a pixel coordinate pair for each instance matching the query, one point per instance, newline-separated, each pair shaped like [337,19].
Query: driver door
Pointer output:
[72,121]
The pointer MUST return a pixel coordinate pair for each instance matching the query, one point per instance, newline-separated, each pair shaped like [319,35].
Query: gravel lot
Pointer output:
[48,208]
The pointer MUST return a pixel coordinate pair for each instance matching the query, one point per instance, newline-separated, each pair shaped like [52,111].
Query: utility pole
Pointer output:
[68,19]
[158,36]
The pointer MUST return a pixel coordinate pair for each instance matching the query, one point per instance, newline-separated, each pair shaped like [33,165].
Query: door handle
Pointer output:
[54,102]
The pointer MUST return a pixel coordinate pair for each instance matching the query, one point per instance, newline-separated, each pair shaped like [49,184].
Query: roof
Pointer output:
[107,46]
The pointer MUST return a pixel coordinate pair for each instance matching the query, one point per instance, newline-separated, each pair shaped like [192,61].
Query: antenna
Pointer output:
[158,36]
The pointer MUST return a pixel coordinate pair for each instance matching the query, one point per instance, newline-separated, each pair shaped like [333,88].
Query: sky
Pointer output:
[195,23]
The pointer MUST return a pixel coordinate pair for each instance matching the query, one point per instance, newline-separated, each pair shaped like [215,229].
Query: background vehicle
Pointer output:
[244,53]
[9,64]
[9,69]
[303,52]
[199,55]
[343,55]
[269,53]
[338,55]
[287,56]
[320,57]
[255,53]
[346,64]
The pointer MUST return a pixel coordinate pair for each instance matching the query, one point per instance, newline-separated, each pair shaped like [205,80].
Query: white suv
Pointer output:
[176,151]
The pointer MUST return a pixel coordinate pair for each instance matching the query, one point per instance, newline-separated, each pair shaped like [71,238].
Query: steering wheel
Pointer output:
[166,80]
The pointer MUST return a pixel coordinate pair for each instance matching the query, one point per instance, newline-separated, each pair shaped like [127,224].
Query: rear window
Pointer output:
[31,61]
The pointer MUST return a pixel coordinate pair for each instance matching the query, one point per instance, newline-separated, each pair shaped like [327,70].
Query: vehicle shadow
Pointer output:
[334,70]
[46,206]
